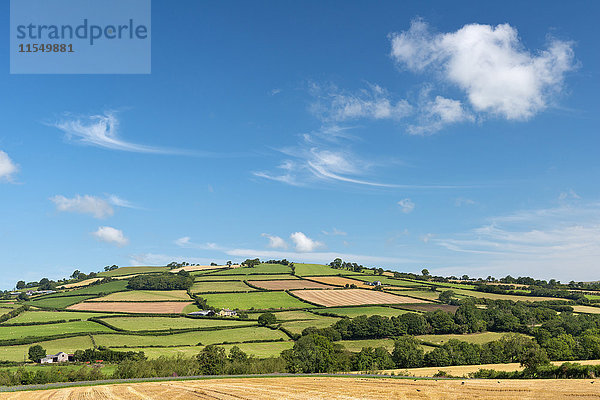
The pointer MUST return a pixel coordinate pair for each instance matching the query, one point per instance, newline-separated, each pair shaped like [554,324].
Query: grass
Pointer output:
[593,296]
[133,270]
[109,287]
[318,269]
[146,295]
[386,280]
[477,338]
[419,294]
[48,316]
[586,309]
[68,345]
[288,315]
[366,310]
[494,296]
[58,301]
[236,286]
[191,338]
[259,269]
[165,323]
[299,326]
[17,332]
[257,300]
[260,277]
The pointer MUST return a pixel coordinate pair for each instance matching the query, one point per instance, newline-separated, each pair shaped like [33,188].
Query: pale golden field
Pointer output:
[80,283]
[287,284]
[144,295]
[157,307]
[352,297]
[326,388]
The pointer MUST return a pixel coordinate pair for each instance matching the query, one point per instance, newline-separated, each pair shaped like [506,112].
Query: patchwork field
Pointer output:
[106,288]
[158,307]
[325,388]
[350,297]
[58,301]
[289,284]
[366,310]
[298,326]
[256,300]
[146,295]
[259,269]
[194,268]
[68,345]
[133,270]
[258,277]
[219,286]
[166,323]
[288,315]
[390,281]
[340,281]
[80,283]
[48,316]
[317,269]
[14,332]
[419,294]
[495,296]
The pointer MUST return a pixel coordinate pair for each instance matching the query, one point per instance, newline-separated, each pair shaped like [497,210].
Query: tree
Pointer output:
[75,274]
[407,353]
[251,262]
[36,353]
[267,319]
[315,353]
[237,355]
[212,360]
[21,285]
[229,263]
[425,272]
[446,296]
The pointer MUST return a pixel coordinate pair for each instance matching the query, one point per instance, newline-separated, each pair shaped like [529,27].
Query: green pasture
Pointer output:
[418,294]
[48,316]
[299,326]
[320,270]
[256,300]
[477,338]
[17,332]
[133,270]
[106,288]
[288,315]
[366,310]
[259,277]
[495,296]
[166,323]
[386,280]
[67,345]
[259,269]
[146,295]
[205,287]
[57,301]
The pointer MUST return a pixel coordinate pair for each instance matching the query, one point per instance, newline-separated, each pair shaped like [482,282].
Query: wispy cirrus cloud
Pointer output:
[334,232]
[186,242]
[406,206]
[7,167]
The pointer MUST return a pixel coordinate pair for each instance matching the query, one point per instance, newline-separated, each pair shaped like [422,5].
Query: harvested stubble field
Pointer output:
[157,307]
[351,297]
[586,309]
[289,284]
[347,388]
[340,281]
[79,284]
[146,295]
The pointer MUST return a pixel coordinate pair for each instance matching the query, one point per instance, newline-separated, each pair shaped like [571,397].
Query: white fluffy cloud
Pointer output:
[7,167]
[435,114]
[96,206]
[304,244]
[490,64]
[406,205]
[275,242]
[111,235]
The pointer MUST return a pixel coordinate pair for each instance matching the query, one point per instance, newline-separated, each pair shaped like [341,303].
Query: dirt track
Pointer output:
[326,388]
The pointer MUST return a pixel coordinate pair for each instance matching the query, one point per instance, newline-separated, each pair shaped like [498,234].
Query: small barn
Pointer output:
[57,358]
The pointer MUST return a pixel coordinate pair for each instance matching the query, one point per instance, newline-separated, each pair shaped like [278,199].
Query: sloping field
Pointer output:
[352,297]
[256,300]
[157,307]
[80,283]
[58,301]
[68,345]
[366,310]
[132,270]
[106,288]
[48,316]
[318,269]
[146,295]
[299,326]
[586,309]
[289,284]
[15,332]
[258,277]
[165,323]
[419,294]
[329,388]
[262,349]
[340,281]
[479,338]
[193,268]
[217,286]
[495,296]
[259,269]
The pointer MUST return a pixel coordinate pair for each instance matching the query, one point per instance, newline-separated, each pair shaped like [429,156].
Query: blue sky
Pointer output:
[459,137]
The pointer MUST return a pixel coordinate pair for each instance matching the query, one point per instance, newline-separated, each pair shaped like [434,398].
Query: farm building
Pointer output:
[226,312]
[374,283]
[57,358]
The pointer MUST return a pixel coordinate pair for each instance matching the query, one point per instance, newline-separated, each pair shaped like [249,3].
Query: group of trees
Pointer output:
[251,262]
[166,281]
[338,263]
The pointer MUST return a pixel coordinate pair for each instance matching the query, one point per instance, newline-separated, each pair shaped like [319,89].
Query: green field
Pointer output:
[133,270]
[57,301]
[288,315]
[260,277]
[386,280]
[205,287]
[593,296]
[366,310]
[261,350]
[146,295]
[495,296]
[16,332]
[191,338]
[106,288]
[419,294]
[299,326]
[68,345]
[48,316]
[259,269]
[320,270]
[166,323]
[478,338]
[257,300]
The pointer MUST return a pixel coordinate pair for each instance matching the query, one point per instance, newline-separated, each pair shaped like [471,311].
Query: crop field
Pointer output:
[366,310]
[317,269]
[256,300]
[289,284]
[233,335]
[218,286]
[48,316]
[158,307]
[58,301]
[328,388]
[430,307]
[106,288]
[146,295]
[299,326]
[85,282]
[351,297]
[15,332]
[586,309]
[495,296]
[259,269]
[166,323]
[478,338]
[258,277]
[68,345]
[132,270]
[340,281]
